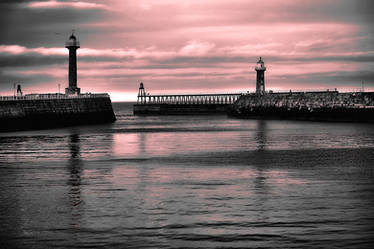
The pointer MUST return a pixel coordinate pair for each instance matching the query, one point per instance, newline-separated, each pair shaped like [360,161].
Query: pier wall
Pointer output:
[41,113]
[323,106]
[180,109]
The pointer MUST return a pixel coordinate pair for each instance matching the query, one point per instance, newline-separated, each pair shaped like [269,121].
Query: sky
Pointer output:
[187,46]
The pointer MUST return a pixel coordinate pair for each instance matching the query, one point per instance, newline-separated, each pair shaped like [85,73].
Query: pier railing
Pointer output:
[53,96]
[189,99]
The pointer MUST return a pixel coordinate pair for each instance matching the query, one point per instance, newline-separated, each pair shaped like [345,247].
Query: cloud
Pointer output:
[198,53]
[35,27]
[196,48]
[16,49]
[344,80]
[53,4]
[87,52]
[7,80]
[29,60]
[184,45]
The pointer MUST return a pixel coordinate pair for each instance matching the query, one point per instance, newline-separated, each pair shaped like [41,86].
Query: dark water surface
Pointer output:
[188,182]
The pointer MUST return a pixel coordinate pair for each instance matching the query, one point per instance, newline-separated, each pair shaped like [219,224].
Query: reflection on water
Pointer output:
[74,145]
[142,143]
[261,135]
[261,187]
[138,137]
[197,182]
[75,167]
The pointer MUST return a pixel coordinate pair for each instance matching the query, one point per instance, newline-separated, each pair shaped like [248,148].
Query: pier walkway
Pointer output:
[47,96]
[185,99]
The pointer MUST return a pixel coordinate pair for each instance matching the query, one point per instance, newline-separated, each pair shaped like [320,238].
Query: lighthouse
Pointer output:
[260,80]
[141,94]
[72,44]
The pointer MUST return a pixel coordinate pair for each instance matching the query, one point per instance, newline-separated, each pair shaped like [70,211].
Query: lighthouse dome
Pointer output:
[72,38]
[260,65]
[72,42]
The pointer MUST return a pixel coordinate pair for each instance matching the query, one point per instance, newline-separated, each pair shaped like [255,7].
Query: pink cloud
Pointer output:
[16,50]
[187,46]
[193,49]
[12,49]
[196,48]
[53,4]
[122,77]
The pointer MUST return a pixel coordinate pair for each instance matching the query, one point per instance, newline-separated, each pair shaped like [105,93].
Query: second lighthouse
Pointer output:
[260,79]
[72,44]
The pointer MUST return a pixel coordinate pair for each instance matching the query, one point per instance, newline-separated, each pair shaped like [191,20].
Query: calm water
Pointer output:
[188,182]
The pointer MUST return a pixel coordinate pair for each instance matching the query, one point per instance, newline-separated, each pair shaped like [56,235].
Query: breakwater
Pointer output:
[319,106]
[180,109]
[39,111]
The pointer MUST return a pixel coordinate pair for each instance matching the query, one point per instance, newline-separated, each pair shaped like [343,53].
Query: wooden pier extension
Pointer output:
[183,103]
[190,99]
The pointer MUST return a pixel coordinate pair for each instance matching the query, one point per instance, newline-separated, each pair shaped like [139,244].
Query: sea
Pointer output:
[203,181]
